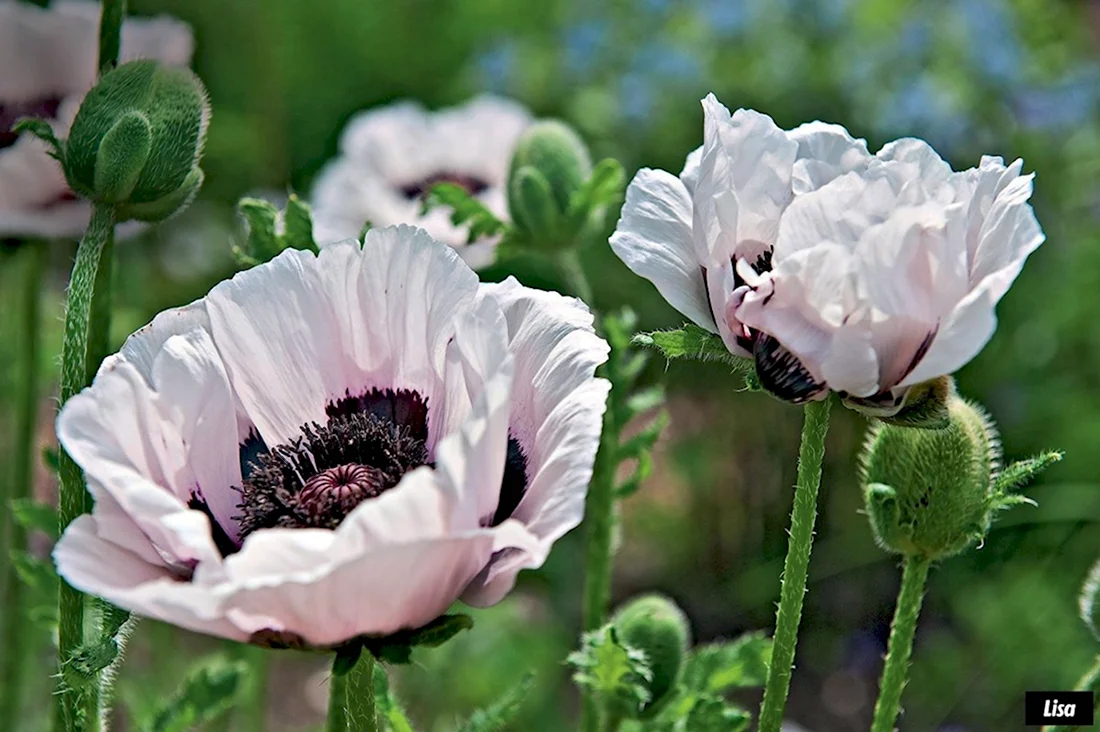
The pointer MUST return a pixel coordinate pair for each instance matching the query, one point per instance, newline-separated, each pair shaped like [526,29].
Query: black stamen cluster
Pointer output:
[315,481]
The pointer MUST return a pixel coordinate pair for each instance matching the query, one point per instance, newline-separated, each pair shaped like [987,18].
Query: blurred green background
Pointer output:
[1017,78]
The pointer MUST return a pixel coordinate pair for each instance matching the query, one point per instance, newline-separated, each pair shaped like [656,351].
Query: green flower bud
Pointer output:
[654,625]
[549,165]
[930,492]
[137,139]
[924,405]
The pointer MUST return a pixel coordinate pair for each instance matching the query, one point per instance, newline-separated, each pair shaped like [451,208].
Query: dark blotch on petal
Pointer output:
[469,183]
[401,407]
[11,112]
[250,451]
[781,373]
[225,545]
[514,486]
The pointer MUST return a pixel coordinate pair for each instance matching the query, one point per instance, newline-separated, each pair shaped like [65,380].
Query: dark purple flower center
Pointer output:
[10,112]
[366,446]
[417,189]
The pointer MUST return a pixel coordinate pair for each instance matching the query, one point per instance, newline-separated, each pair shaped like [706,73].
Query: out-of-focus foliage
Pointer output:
[1019,78]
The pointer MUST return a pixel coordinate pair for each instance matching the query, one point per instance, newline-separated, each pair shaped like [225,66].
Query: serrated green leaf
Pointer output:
[262,218]
[34,572]
[35,516]
[1022,472]
[728,665]
[465,210]
[397,648]
[208,692]
[298,225]
[712,714]
[645,400]
[1090,597]
[602,188]
[41,129]
[617,675]
[87,660]
[643,441]
[692,342]
[501,712]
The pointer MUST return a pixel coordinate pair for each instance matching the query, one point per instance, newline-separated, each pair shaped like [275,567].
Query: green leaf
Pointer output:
[262,218]
[299,225]
[645,400]
[728,665]
[1090,597]
[465,210]
[501,712]
[81,668]
[603,188]
[35,516]
[397,648]
[693,342]
[617,675]
[208,692]
[34,572]
[713,714]
[389,709]
[51,459]
[41,129]
[1020,473]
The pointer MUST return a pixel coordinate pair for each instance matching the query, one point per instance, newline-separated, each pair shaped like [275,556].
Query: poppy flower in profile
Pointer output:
[833,268]
[391,156]
[335,445]
[49,61]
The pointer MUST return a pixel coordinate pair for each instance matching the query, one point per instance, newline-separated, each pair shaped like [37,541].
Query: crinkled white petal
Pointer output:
[653,238]
[557,414]
[825,152]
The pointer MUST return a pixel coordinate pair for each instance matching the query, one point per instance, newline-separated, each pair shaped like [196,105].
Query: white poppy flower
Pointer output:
[834,268]
[389,157]
[49,61]
[333,445]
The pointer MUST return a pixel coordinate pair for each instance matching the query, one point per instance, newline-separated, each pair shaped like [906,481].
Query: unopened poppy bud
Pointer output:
[655,625]
[930,492]
[924,405]
[549,165]
[137,139]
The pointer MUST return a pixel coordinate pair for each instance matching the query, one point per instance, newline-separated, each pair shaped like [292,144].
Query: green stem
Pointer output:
[1089,682]
[77,707]
[254,706]
[13,630]
[351,704]
[337,703]
[110,33]
[570,263]
[811,453]
[896,671]
[361,705]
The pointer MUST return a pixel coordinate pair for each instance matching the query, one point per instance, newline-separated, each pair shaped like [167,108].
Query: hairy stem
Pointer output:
[896,671]
[14,632]
[811,453]
[351,704]
[1089,682]
[110,33]
[570,264]
[254,705]
[77,706]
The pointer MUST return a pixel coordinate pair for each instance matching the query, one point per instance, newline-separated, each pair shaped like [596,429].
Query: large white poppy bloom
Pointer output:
[834,268]
[49,60]
[334,445]
[389,157]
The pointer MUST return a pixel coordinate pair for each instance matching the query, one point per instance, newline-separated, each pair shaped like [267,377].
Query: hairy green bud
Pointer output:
[654,625]
[549,166]
[136,141]
[930,492]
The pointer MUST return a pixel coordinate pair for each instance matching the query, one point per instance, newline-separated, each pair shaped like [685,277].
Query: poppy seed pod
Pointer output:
[930,492]
[137,139]
[549,165]
[656,626]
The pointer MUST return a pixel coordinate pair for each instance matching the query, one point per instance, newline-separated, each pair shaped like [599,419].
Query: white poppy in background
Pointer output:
[334,445]
[390,157]
[834,268]
[49,61]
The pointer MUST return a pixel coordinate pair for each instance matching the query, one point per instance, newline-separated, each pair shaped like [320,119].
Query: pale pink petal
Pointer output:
[653,238]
